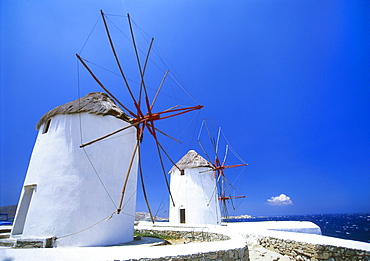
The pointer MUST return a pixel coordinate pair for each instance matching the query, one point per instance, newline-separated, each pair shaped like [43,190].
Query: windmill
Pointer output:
[224,186]
[67,198]
[143,114]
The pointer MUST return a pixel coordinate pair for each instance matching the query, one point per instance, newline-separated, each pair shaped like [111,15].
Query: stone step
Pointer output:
[34,243]
[7,242]
[4,235]
[5,230]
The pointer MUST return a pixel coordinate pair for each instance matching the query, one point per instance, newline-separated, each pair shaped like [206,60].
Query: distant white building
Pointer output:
[194,192]
[70,192]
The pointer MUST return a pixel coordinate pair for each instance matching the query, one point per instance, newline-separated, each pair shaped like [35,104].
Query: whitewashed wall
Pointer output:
[71,187]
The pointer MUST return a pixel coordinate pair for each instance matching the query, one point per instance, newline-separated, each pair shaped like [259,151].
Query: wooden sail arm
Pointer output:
[142,183]
[102,86]
[119,208]
[157,116]
[228,166]
[159,89]
[142,84]
[152,131]
[141,70]
[110,134]
[230,197]
[116,57]
[165,134]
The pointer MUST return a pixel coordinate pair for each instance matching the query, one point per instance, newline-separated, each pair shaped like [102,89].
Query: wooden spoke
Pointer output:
[116,57]
[102,86]
[226,180]
[229,166]
[159,89]
[204,151]
[167,135]
[159,148]
[148,53]
[230,197]
[127,176]
[150,117]
[142,85]
[212,140]
[173,107]
[143,186]
[108,135]
[200,144]
[232,202]
[226,151]
[165,175]
[213,192]
[218,139]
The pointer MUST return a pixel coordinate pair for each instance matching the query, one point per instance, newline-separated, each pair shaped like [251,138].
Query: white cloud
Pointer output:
[282,200]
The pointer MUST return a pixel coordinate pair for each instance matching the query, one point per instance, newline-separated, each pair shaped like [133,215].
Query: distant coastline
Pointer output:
[144,216]
[239,217]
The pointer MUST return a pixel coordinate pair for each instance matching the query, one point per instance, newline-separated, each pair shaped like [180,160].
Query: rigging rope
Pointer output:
[81,138]
[187,126]
[128,38]
[97,223]
[93,225]
[101,67]
[101,181]
[194,131]
[177,82]
[232,149]
[90,34]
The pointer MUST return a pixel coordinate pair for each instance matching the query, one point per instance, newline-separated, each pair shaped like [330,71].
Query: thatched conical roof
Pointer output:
[96,103]
[191,160]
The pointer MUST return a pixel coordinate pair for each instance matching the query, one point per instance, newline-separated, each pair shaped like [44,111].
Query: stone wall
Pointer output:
[302,251]
[237,254]
[187,235]
[34,243]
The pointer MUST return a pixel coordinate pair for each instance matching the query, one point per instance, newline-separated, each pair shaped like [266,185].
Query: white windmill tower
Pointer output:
[68,188]
[194,190]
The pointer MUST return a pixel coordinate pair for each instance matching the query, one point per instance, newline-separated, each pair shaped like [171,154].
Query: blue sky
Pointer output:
[287,80]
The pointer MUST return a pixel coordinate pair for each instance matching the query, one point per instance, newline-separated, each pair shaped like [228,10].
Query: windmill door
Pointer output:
[23,210]
[182,215]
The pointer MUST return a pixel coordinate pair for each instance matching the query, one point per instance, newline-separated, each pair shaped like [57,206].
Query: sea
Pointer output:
[346,226]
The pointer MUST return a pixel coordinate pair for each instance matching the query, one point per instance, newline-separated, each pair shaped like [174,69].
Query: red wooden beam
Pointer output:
[230,197]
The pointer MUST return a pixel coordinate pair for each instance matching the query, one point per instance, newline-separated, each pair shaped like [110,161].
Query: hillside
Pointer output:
[10,210]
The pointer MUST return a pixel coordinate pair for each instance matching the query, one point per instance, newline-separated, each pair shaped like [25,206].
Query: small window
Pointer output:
[182,172]
[46,126]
